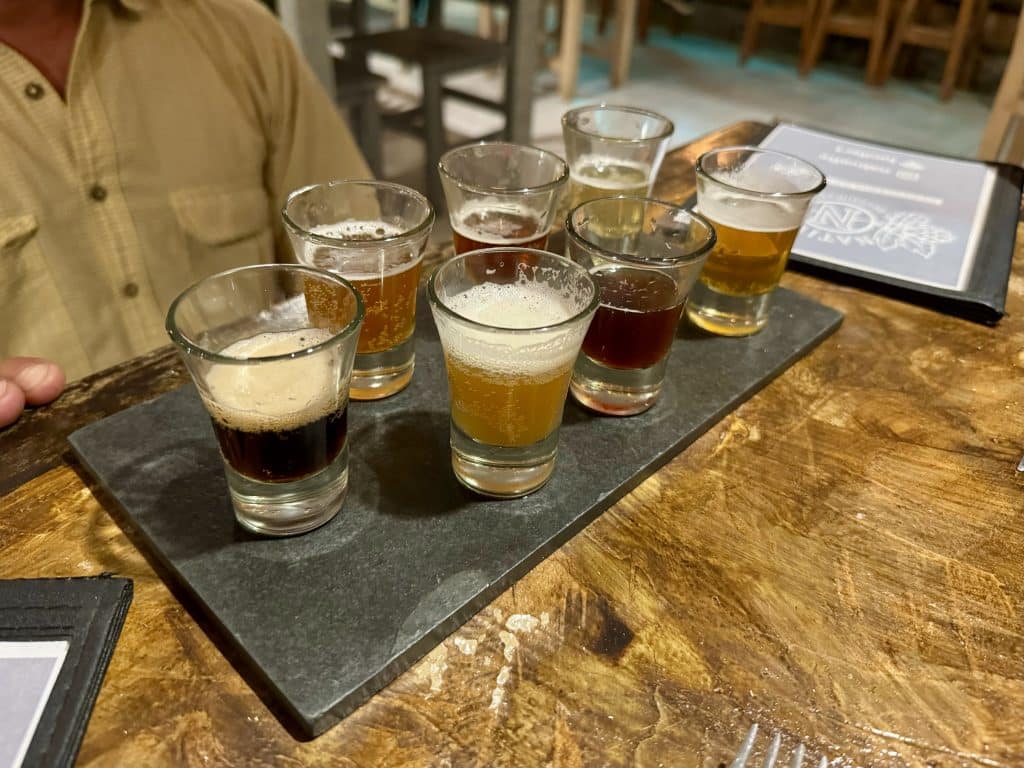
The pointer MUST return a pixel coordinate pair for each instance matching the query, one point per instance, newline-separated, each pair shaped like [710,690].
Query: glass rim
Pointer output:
[482,189]
[193,348]
[706,245]
[668,130]
[338,242]
[435,300]
[699,167]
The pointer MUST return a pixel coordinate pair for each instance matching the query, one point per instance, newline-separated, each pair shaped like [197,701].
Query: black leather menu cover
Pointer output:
[983,299]
[88,613]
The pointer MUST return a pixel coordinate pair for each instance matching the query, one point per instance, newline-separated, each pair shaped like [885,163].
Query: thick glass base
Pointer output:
[727,315]
[614,391]
[381,374]
[287,509]
[500,472]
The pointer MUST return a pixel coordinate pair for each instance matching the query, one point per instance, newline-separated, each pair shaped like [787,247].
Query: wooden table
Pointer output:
[840,559]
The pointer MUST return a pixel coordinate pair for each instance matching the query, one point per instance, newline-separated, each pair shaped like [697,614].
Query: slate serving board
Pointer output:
[327,619]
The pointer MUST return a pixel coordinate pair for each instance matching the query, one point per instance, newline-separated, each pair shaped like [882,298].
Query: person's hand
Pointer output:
[27,381]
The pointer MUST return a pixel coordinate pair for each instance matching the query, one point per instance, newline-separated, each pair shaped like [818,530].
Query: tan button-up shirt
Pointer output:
[185,126]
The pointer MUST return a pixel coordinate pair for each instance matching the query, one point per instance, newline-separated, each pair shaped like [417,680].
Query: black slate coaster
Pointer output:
[331,617]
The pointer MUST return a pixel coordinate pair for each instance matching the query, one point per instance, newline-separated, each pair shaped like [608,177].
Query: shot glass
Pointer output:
[756,199]
[613,150]
[501,194]
[645,256]
[511,321]
[270,349]
[372,233]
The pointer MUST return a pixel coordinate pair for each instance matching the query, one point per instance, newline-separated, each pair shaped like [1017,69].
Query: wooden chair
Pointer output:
[799,14]
[1003,138]
[913,28]
[870,22]
[439,52]
[571,44]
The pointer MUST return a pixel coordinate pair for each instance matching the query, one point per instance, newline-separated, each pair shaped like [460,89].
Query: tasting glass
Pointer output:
[511,321]
[613,150]
[501,194]
[270,348]
[372,233]
[645,256]
[756,199]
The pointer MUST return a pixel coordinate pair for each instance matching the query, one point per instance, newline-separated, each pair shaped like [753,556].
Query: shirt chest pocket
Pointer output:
[224,228]
[33,317]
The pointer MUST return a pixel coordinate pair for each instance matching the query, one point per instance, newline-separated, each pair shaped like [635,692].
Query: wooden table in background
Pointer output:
[840,559]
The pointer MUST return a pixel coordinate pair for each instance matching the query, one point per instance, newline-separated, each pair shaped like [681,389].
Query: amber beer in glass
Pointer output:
[756,199]
[373,234]
[645,256]
[613,150]
[501,194]
[273,371]
[511,321]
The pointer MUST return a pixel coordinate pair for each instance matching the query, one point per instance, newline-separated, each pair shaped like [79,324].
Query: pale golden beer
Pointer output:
[756,199]
[746,262]
[506,408]
[603,177]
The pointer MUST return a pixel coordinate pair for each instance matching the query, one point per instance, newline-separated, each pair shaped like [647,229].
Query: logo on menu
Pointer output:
[852,221]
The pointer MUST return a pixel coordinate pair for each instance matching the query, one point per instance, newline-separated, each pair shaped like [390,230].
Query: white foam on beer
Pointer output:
[274,395]
[491,210]
[360,263]
[739,211]
[522,305]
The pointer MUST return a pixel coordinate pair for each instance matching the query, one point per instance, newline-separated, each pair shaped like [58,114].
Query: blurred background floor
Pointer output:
[694,79]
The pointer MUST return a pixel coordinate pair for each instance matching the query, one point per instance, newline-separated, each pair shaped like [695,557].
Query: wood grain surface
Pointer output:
[840,559]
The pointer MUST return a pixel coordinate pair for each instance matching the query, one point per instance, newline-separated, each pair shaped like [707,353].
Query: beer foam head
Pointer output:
[739,211]
[358,262]
[514,307]
[495,221]
[274,395]
[762,193]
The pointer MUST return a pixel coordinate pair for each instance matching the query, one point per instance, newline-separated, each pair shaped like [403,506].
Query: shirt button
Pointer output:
[98,193]
[130,290]
[34,91]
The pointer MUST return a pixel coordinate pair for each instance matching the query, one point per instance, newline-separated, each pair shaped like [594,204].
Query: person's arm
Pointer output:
[308,141]
[27,381]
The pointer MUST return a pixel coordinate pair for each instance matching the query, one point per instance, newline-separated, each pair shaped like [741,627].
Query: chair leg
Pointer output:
[643,20]
[570,47]
[750,30]
[811,11]
[433,133]
[964,22]
[603,16]
[876,48]
[370,130]
[899,31]
[810,61]
[1007,101]
[622,47]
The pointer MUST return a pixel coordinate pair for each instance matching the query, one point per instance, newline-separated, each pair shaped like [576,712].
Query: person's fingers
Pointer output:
[12,402]
[40,380]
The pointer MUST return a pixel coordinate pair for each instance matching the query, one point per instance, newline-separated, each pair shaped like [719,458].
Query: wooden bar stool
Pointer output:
[799,14]
[1003,139]
[912,28]
[571,44]
[867,22]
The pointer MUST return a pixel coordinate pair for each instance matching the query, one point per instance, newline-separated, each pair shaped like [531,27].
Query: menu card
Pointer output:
[930,229]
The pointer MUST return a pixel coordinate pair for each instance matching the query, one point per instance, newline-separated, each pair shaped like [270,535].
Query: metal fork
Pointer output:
[773,752]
